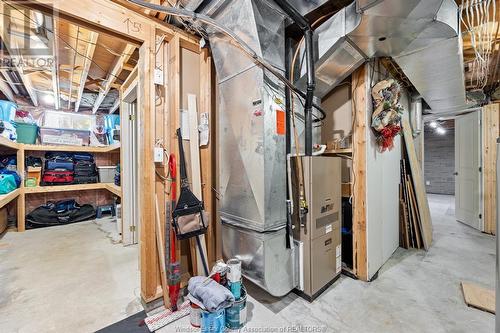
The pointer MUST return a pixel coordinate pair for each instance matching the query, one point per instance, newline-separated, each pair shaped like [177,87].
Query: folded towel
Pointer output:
[208,294]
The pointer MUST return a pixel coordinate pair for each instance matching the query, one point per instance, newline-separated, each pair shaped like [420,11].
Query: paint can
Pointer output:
[213,322]
[195,315]
[236,315]
[234,273]
[235,288]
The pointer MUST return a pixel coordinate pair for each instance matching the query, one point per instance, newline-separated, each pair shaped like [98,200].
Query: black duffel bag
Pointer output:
[59,213]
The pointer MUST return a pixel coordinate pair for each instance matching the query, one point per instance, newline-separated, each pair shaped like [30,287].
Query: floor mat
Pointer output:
[132,324]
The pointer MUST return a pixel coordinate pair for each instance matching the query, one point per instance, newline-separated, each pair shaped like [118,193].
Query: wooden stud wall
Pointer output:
[115,19]
[490,131]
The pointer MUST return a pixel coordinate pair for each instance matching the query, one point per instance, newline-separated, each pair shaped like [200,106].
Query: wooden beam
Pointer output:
[53,36]
[359,105]
[89,54]
[113,74]
[490,132]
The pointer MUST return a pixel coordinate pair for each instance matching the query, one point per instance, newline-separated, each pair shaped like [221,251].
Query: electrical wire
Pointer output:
[64,41]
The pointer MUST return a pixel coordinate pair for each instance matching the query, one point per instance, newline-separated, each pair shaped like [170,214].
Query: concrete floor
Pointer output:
[415,291]
[66,279]
[74,279]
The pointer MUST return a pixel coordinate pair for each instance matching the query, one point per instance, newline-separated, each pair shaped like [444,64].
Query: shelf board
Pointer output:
[339,151]
[8,143]
[6,198]
[116,190]
[89,149]
[65,188]
[75,187]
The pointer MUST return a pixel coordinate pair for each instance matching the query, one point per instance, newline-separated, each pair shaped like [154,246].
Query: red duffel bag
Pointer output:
[53,177]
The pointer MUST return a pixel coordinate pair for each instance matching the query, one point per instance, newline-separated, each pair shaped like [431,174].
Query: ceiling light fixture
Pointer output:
[440,131]
[48,99]
[433,124]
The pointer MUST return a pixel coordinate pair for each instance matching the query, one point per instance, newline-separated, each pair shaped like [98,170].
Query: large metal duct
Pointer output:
[422,36]
[252,156]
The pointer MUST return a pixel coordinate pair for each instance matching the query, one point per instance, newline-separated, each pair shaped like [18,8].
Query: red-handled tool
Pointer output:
[174,277]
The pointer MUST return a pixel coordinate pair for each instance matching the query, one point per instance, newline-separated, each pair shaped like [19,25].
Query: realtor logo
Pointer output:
[27,36]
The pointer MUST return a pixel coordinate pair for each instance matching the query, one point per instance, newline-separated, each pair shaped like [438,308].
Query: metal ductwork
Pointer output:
[252,158]
[422,36]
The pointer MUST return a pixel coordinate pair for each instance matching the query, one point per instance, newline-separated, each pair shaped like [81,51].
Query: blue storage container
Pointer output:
[7,110]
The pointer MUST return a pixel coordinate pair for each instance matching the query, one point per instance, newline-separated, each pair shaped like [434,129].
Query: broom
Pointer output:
[174,278]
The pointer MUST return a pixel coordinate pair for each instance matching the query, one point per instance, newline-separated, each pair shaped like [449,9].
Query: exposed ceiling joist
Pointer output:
[11,83]
[115,106]
[74,65]
[89,54]
[17,60]
[115,71]
[55,65]
[6,90]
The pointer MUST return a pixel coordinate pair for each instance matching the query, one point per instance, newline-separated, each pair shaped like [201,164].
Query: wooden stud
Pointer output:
[21,207]
[160,249]
[145,104]
[490,132]
[359,93]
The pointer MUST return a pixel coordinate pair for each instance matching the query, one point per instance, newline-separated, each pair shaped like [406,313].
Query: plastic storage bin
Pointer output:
[59,136]
[7,110]
[26,133]
[107,174]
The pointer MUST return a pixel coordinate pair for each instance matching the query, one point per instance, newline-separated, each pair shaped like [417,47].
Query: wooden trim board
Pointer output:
[418,182]
[479,297]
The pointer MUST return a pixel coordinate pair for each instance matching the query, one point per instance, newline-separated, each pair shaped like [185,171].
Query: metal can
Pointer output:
[195,315]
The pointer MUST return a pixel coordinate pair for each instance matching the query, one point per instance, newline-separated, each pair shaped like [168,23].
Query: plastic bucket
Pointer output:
[213,322]
[236,315]
[26,133]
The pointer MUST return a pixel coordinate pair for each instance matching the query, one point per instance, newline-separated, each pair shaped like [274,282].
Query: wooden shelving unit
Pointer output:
[20,193]
[6,198]
[72,187]
[9,144]
[87,149]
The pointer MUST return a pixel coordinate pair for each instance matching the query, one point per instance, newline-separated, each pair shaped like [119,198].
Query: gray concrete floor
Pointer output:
[415,291]
[66,279]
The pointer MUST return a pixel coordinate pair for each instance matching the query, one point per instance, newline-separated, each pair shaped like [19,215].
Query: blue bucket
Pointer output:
[236,315]
[213,322]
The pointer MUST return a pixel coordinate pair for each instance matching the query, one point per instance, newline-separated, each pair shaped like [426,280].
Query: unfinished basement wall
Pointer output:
[382,187]
[440,162]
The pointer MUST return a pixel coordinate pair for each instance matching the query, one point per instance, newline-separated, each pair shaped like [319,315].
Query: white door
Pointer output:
[468,170]
[129,141]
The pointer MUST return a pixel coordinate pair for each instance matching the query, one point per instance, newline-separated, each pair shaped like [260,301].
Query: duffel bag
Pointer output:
[59,165]
[59,156]
[85,168]
[83,157]
[32,161]
[57,177]
[7,183]
[46,216]
[85,179]
[17,178]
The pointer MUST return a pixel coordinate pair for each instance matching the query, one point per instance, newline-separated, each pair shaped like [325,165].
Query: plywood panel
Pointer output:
[490,133]
[479,297]
[418,183]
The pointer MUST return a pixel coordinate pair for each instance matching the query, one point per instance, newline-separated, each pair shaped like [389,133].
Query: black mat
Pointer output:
[132,324]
